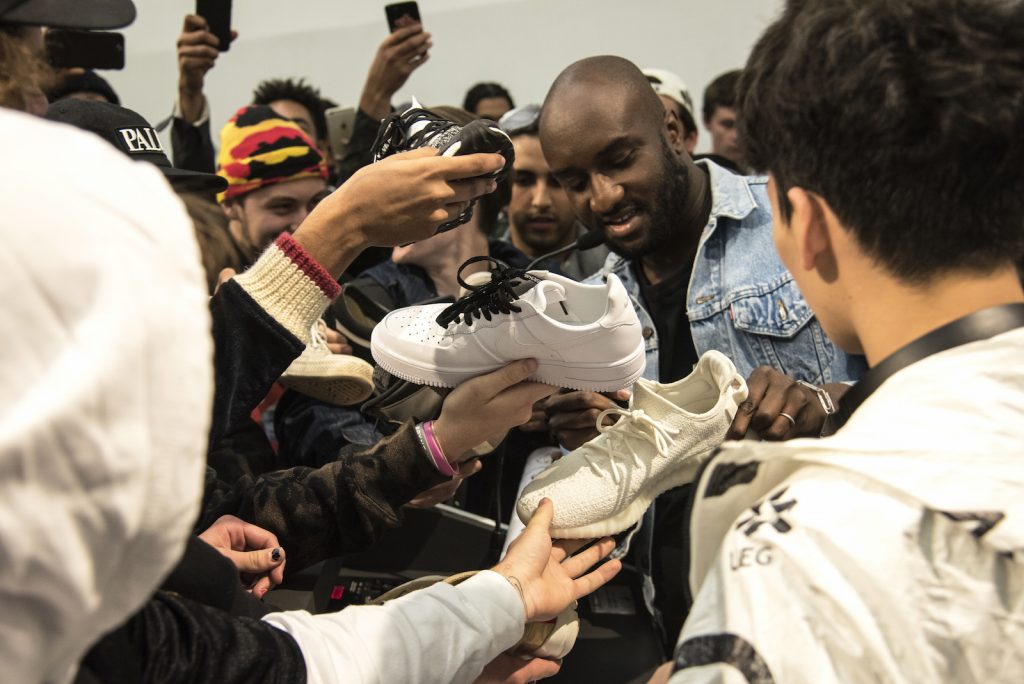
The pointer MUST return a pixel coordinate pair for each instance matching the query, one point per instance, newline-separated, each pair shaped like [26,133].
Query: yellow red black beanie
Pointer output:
[259,148]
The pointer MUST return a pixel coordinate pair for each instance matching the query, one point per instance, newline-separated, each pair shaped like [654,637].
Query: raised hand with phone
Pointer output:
[199,45]
[404,50]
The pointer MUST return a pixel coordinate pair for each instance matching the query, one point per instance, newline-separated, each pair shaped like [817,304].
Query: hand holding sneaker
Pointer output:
[485,408]
[779,407]
[548,579]
[657,443]
[572,416]
[585,337]
[402,199]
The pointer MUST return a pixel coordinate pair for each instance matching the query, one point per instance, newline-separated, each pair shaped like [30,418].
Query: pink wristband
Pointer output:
[434,447]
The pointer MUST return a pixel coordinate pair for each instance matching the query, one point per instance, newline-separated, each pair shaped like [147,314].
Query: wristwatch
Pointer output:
[823,397]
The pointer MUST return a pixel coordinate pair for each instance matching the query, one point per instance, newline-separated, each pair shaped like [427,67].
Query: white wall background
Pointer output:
[522,44]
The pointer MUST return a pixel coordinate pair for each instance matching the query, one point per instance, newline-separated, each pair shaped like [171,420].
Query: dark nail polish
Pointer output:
[275,555]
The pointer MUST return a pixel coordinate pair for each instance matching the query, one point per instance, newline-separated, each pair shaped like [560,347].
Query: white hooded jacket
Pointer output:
[107,383]
[890,552]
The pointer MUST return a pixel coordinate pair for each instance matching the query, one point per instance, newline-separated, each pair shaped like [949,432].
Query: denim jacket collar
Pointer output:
[730,194]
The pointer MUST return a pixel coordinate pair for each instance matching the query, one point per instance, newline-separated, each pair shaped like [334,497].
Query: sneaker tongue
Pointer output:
[655,406]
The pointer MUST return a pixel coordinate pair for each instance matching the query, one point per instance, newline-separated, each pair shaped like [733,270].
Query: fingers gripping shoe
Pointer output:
[656,444]
[552,639]
[417,127]
[584,337]
[338,379]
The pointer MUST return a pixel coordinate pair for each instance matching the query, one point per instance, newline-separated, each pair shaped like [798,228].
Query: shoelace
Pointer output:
[493,297]
[435,124]
[318,337]
[632,424]
[391,136]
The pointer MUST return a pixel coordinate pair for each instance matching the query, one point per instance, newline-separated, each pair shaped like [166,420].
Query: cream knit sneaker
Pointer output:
[584,337]
[656,444]
[338,379]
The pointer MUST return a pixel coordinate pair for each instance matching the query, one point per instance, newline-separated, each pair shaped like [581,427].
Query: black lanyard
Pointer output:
[980,325]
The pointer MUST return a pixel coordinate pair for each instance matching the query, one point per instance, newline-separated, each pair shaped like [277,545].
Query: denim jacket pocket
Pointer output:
[781,331]
[776,309]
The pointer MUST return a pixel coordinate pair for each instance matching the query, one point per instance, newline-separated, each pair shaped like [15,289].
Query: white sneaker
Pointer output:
[552,639]
[585,337]
[658,443]
[338,379]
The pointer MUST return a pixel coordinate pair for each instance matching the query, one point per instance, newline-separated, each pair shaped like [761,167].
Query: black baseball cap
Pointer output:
[72,14]
[132,134]
[86,82]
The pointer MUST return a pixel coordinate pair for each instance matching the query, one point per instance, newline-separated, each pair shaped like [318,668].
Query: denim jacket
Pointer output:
[742,301]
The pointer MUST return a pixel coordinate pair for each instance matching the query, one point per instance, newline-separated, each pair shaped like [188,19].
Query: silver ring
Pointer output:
[791,419]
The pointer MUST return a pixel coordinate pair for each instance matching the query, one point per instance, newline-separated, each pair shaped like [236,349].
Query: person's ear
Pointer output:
[808,223]
[674,132]
[690,141]
[231,209]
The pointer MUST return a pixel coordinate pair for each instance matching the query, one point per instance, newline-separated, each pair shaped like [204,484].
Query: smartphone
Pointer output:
[85,49]
[217,14]
[340,121]
[402,14]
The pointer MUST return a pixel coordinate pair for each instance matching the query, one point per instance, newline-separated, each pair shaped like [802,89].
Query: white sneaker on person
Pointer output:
[584,337]
[656,444]
[338,379]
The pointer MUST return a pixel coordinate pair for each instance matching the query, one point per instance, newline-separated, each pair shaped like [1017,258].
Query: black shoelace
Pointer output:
[391,136]
[493,297]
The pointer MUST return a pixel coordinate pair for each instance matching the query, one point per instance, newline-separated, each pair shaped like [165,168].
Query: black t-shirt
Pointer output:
[666,303]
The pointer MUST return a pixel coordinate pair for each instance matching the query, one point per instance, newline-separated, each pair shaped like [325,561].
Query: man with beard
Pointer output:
[693,245]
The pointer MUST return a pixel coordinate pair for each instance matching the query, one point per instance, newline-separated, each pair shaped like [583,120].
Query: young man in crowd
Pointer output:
[488,101]
[675,96]
[198,51]
[692,244]
[719,112]
[889,551]
[540,218]
[275,176]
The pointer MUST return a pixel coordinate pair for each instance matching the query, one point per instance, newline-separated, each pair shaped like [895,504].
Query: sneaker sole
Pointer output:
[340,392]
[593,377]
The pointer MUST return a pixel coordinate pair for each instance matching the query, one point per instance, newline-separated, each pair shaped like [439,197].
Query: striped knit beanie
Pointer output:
[259,148]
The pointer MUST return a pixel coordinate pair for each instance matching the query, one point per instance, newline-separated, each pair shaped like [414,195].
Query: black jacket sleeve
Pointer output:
[251,350]
[173,639]
[193,146]
[315,513]
[359,154]
[339,508]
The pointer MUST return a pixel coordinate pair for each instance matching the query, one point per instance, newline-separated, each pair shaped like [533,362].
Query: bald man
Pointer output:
[692,243]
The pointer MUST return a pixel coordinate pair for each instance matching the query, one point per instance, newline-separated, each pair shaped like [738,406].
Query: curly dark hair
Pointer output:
[721,92]
[907,117]
[299,91]
[482,91]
